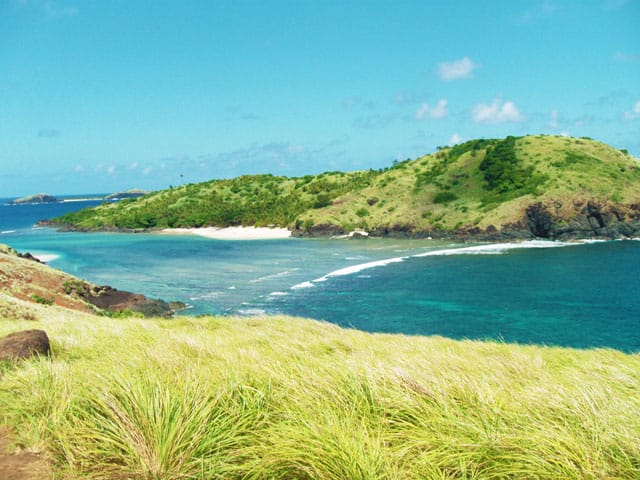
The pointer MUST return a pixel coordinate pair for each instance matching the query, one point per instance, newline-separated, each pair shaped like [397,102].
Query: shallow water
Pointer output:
[546,293]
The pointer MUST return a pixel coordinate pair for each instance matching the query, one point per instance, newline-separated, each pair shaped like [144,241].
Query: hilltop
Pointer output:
[512,188]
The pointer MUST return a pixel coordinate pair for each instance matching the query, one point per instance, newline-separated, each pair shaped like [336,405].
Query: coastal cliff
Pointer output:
[486,189]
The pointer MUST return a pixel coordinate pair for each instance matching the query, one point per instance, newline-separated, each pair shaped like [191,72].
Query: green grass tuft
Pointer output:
[281,398]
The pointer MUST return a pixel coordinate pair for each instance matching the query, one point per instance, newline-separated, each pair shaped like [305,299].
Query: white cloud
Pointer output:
[497,112]
[439,110]
[294,149]
[455,139]
[462,68]
[111,170]
[134,165]
[626,57]
[540,11]
[147,171]
[78,169]
[553,123]
[634,113]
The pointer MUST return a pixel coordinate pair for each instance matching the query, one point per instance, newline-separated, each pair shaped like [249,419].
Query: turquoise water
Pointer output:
[585,295]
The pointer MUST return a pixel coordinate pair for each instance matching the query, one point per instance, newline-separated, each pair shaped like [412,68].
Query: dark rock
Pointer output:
[24,344]
[323,230]
[111,299]
[539,220]
[28,256]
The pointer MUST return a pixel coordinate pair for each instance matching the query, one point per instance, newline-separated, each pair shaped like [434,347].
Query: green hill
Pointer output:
[517,187]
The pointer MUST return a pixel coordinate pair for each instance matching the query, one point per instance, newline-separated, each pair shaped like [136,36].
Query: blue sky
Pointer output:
[105,95]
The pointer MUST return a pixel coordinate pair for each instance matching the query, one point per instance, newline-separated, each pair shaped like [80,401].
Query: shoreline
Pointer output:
[232,233]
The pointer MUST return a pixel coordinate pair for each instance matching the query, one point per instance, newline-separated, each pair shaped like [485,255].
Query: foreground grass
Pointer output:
[283,398]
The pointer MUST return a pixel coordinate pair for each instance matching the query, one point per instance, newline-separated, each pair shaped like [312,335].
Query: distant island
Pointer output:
[37,198]
[45,198]
[514,188]
[134,193]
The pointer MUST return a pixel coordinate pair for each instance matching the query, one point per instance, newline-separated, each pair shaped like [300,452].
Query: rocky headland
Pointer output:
[24,277]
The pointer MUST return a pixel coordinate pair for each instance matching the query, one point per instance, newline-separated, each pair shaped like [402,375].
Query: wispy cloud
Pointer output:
[375,121]
[614,4]
[626,57]
[54,9]
[497,112]
[49,8]
[456,139]
[439,110]
[553,122]
[48,133]
[235,112]
[456,69]
[357,101]
[540,11]
[634,113]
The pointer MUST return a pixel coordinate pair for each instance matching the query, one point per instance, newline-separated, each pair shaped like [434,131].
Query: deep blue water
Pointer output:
[581,295]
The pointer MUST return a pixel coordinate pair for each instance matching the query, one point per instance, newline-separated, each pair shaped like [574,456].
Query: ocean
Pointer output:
[580,295]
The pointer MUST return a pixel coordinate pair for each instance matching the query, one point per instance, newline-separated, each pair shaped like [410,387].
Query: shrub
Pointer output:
[444,197]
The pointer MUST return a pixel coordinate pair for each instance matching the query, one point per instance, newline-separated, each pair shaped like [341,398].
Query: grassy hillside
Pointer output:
[282,398]
[480,185]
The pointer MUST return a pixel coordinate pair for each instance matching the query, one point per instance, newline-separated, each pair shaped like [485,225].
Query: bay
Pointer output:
[576,295]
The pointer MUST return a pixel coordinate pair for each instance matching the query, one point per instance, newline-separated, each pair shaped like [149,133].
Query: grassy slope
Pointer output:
[446,191]
[289,398]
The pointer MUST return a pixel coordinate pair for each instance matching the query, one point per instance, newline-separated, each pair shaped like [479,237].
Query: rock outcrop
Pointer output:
[589,219]
[37,198]
[23,278]
[24,344]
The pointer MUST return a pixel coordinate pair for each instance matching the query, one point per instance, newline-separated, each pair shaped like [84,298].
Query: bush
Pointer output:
[444,197]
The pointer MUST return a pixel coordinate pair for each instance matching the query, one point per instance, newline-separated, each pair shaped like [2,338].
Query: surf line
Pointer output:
[489,249]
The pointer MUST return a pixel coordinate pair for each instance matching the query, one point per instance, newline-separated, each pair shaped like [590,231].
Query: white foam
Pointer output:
[269,277]
[278,294]
[4,232]
[494,248]
[488,249]
[46,257]
[358,268]
[251,312]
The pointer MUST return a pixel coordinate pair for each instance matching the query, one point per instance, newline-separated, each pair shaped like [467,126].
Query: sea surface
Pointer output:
[568,294]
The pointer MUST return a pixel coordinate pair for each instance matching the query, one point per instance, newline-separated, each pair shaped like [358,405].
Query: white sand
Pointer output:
[233,233]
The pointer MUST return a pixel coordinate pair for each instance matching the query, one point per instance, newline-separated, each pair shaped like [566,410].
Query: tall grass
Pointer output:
[283,398]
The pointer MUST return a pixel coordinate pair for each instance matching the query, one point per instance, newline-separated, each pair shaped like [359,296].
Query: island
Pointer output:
[515,188]
[134,193]
[37,198]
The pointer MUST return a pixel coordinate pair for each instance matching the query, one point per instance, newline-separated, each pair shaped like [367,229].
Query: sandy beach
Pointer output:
[232,233]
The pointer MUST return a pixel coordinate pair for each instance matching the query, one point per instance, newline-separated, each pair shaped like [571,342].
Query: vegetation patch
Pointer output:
[444,197]
[281,398]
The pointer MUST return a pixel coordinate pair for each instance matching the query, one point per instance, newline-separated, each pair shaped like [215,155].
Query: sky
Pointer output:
[108,95]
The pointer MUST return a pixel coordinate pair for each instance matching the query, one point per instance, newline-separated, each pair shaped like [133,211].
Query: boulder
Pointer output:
[24,344]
